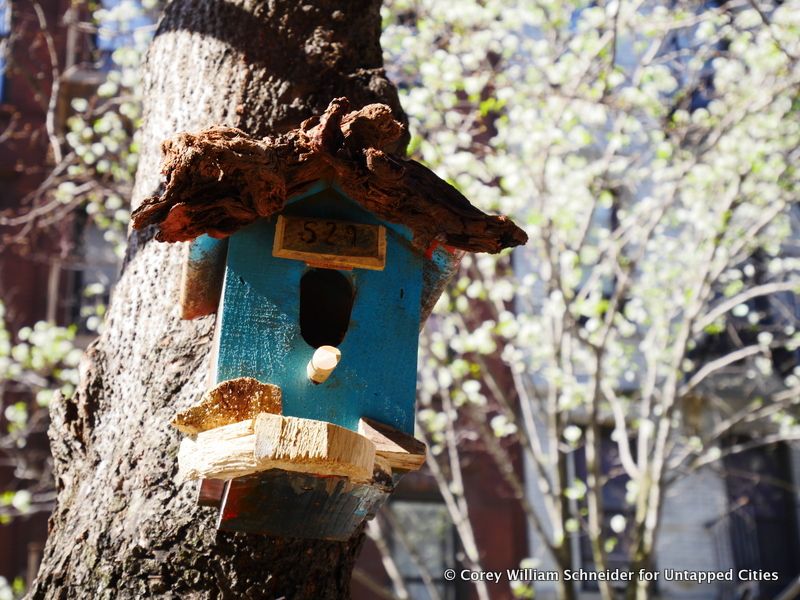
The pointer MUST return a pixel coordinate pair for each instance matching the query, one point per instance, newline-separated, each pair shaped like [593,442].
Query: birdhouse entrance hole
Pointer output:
[326,300]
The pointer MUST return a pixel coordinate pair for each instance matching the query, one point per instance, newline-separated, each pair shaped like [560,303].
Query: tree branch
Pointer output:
[754,292]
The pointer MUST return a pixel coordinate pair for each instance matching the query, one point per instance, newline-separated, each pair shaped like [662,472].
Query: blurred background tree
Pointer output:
[640,354]
[69,110]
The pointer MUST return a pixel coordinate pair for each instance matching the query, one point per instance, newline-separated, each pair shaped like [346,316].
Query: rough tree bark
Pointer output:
[122,528]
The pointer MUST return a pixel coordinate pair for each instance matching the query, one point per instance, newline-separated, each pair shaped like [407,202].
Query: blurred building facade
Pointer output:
[30,281]
[742,513]
[739,515]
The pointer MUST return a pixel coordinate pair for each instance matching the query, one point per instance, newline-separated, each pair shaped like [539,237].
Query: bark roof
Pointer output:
[221,179]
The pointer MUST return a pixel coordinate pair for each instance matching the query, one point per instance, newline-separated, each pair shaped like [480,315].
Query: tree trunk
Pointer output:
[122,527]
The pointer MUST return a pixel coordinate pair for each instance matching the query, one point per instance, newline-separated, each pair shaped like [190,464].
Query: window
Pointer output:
[88,277]
[426,528]
[118,26]
[5,31]
[614,505]
[700,84]
[762,524]
[772,313]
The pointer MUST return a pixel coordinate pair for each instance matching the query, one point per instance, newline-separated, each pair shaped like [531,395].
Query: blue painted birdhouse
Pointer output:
[322,253]
[326,272]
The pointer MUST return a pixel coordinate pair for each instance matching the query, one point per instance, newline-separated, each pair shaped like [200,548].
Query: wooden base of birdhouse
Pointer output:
[288,476]
[287,504]
[272,441]
[236,429]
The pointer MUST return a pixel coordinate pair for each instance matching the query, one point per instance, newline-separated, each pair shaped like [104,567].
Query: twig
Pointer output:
[754,292]
[375,533]
[715,365]
[50,124]
[424,573]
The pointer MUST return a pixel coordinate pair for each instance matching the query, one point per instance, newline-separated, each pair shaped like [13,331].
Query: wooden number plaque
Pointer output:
[330,243]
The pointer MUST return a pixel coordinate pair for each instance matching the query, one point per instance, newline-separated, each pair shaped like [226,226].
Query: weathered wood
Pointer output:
[274,442]
[381,464]
[440,268]
[201,277]
[401,451]
[322,363]
[213,363]
[296,505]
[334,244]
[220,453]
[210,492]
[221,179]
[229,402]
[309,446]
[261,335]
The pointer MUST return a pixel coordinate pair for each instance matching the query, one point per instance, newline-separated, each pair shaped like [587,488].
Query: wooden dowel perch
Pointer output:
[323,363]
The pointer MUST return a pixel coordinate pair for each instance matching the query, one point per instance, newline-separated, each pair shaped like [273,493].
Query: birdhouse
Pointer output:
[321,254]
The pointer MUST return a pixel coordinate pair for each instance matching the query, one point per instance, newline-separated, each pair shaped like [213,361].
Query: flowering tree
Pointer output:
[650,150]
[84,176]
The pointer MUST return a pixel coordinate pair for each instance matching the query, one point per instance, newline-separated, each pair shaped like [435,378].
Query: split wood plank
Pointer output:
[403,452]
[310,446]
[221,453]
[274,442]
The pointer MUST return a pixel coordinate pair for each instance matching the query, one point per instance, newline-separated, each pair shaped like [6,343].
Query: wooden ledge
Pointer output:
[399,450]
[272,441]
[309,446]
